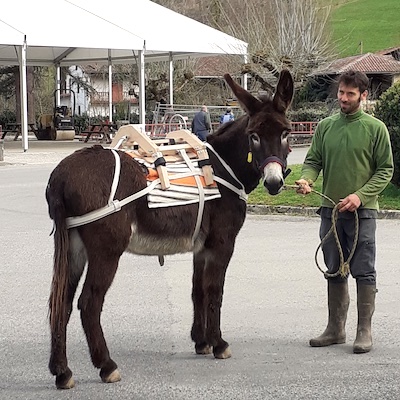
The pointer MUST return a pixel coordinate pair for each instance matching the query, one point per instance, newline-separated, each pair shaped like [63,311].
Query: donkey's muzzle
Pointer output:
[274,174]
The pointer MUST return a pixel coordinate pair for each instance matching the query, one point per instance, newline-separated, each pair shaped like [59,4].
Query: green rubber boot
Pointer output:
[338,304]
[366,307]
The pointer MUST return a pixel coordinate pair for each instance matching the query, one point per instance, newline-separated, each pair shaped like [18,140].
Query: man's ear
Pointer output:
[364,95]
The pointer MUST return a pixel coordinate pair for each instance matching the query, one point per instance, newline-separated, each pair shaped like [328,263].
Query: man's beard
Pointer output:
[351,108]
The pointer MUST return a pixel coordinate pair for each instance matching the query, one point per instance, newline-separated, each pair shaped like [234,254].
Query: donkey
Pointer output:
[251,148]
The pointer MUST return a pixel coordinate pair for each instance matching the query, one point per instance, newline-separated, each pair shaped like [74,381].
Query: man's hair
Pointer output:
[355,79]
[203,108]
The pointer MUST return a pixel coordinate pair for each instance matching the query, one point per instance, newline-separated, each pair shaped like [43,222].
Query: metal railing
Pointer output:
[102,97]
[303,127]
[163,112]
[160,129]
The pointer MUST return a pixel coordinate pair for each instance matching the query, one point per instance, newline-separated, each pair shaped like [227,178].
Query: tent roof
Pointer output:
[56,28]
[72,32]
[165,30]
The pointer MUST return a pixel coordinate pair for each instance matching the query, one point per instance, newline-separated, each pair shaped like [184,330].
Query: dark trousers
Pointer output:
[362,265]
[202,135]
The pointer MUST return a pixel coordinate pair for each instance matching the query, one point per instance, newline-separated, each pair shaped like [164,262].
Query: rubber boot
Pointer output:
[338,304]
[366,307]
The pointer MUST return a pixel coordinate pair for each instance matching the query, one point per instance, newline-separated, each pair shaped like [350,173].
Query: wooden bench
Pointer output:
[15,128]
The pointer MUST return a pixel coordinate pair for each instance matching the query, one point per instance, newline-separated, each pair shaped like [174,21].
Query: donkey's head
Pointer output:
[267,130]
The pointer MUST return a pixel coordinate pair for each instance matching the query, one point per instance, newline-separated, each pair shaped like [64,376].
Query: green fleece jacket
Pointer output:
[355,156]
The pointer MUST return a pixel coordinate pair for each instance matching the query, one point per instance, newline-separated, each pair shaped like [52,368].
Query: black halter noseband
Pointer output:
[282,163]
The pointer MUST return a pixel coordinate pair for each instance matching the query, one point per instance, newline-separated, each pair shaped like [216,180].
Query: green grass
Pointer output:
[375,23]
[389,199]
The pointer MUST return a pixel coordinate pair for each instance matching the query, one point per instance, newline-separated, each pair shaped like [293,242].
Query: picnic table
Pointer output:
[104,129]
[15,127]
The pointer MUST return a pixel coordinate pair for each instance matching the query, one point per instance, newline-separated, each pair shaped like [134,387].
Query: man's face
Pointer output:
[350,98]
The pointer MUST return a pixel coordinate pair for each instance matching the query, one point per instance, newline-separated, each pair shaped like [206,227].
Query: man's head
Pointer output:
[204,108]
[228,110]
[352,90]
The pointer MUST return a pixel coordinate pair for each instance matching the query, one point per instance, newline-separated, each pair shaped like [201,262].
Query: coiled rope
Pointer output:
[344,267]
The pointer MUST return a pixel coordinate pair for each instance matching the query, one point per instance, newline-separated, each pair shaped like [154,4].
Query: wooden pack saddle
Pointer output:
[177,146]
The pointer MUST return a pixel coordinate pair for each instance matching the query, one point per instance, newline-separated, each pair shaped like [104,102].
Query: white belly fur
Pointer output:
[152,246]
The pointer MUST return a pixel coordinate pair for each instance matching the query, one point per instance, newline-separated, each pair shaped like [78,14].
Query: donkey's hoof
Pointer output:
[112,378]
[224,354]
[65,381]
[203,349]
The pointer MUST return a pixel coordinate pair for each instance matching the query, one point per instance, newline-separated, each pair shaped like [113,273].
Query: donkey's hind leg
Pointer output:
[58,359]
[101,271]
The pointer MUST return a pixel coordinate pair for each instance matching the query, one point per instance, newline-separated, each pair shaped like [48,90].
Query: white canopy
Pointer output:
[55,29]
[164,30]
[70,32]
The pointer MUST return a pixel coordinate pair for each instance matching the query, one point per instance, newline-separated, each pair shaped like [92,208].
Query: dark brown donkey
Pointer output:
[252,148]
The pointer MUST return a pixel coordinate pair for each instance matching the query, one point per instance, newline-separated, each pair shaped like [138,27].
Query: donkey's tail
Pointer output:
[59,284]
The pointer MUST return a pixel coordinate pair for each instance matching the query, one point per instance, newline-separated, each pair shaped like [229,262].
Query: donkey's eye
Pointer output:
[285,134]
[254,140]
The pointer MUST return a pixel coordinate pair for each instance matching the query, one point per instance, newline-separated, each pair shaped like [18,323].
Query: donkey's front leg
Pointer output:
[208,285]
[199,307]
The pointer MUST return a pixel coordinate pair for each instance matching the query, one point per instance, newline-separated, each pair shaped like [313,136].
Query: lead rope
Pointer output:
[344,267]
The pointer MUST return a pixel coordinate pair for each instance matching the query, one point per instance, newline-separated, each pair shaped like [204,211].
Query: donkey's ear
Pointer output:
[247,101]
[284,91]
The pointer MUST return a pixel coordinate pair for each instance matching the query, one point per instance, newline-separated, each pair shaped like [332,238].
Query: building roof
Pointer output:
[368,63]
[388,51]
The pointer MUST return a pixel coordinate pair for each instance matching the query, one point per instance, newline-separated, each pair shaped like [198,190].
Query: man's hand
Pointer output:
[304,187]
[349,203]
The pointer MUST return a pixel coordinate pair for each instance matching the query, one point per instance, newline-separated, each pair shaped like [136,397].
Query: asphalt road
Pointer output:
[274,301]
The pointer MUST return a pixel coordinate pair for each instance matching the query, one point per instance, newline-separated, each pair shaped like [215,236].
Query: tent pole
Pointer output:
[24,95]
[244,77]
[110,92]
[171,79]
[142,89]
[58,85]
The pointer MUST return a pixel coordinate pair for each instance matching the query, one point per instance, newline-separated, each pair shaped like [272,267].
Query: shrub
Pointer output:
[311,112]
[6,117]
[387,109]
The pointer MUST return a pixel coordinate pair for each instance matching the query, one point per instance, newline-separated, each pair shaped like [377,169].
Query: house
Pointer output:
[382,68]
[393,51]
[95,102]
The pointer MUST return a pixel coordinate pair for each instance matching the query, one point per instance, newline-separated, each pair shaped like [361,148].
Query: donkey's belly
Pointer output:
[152,245]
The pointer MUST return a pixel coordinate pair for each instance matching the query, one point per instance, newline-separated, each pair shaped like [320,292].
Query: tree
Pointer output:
[387,109]
[281,33]
[10,88]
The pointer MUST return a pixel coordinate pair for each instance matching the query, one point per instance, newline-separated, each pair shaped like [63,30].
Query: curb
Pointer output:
[258,209]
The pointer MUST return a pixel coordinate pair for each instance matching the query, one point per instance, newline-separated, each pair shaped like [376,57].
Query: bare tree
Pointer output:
[280,33]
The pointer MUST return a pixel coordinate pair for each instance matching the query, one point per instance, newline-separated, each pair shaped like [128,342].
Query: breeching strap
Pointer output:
[112,205]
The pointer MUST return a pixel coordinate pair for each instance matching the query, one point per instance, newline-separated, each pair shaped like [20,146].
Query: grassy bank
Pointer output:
[389,199]
[373,23]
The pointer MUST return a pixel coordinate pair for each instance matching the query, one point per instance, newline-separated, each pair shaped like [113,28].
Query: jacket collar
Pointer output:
[352,117]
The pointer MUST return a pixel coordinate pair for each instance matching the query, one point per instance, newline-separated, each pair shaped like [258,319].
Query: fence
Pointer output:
[160,129]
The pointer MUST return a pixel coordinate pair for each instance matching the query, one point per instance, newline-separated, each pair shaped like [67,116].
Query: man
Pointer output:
[353,150]
[227,117]
[201,124]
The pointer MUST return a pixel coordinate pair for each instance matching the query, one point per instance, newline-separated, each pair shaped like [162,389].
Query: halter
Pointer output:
[274,159]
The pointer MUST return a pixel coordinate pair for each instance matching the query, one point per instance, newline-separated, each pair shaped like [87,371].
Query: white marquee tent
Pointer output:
[70,32]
